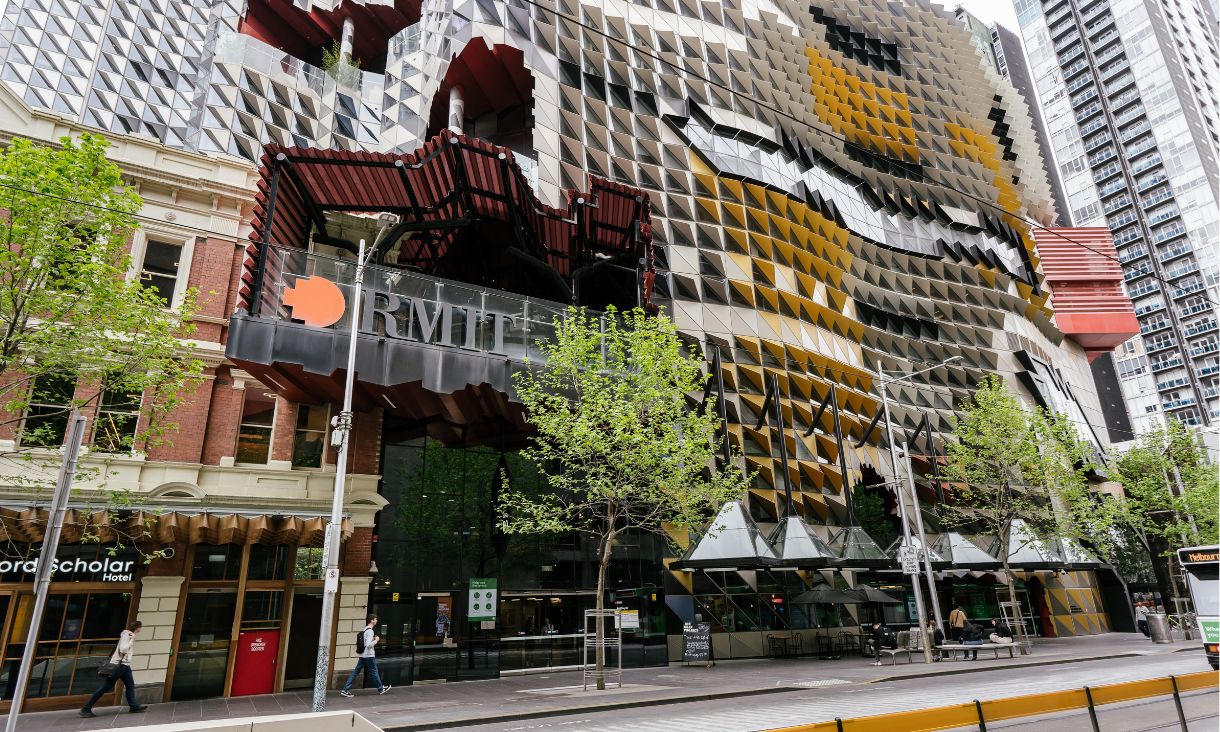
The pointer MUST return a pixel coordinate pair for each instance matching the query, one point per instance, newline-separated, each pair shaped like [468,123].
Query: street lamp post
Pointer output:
[342,425]
[902,510]
[902,507]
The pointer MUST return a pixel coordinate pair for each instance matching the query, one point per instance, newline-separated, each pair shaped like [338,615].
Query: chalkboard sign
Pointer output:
[697,643]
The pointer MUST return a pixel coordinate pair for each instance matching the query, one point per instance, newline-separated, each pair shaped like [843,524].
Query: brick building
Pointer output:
[238,493]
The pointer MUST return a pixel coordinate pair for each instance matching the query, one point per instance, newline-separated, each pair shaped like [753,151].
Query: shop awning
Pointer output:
[84,524]
[1026,551]
[732,542]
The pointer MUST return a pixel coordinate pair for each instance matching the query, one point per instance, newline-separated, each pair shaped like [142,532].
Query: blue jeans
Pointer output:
[129,685]
[362,664]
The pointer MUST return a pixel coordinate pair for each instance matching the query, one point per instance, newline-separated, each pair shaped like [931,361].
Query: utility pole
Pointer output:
[46,559]
[923,541]
[902,508]
[339,439]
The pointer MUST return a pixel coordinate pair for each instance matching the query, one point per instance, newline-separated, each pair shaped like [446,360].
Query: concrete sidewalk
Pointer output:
[439,706]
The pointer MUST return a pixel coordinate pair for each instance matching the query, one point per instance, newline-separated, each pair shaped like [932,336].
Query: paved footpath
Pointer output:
[445,706]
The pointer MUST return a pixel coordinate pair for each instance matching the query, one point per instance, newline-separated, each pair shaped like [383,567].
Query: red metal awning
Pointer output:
[451,182]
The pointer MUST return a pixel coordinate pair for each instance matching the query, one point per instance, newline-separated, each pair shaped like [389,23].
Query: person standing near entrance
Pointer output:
[120,668]
[957,622]
[366,642]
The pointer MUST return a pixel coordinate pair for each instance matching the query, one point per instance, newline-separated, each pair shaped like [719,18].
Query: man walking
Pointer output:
[366,642]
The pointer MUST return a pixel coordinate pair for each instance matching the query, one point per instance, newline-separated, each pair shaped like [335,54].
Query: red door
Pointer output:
[254,672]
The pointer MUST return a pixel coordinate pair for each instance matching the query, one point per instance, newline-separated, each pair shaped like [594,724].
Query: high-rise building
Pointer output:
[813,192]
[1129,96]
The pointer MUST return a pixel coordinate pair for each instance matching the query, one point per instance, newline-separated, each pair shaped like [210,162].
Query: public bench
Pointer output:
[995,648]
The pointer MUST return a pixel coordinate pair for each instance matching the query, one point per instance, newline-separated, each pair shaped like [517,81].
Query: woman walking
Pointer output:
[121,660]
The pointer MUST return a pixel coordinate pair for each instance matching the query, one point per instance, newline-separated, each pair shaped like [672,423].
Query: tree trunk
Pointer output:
[1157,546]
[599,662]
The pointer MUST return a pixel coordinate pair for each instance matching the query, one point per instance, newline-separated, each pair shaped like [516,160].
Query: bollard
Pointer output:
[1088,695]
[1177,702]
[838,724]
[982,722]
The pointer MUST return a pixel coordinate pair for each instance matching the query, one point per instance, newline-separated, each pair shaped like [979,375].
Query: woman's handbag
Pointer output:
[108,669]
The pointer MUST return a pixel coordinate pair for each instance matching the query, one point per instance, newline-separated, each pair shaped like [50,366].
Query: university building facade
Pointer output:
[811,194]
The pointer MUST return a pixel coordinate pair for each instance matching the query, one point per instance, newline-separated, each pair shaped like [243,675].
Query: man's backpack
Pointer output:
[360,641]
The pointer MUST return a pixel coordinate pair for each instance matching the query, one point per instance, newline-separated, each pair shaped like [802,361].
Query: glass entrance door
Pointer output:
[203,645]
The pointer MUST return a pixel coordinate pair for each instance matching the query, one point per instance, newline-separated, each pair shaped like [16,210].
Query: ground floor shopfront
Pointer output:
[220,618]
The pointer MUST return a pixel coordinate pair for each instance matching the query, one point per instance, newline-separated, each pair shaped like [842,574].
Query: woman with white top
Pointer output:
[122,657]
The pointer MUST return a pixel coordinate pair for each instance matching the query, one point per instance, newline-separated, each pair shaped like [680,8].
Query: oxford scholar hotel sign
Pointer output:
[319,302]
[103,568]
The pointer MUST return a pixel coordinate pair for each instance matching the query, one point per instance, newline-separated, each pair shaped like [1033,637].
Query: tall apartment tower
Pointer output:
[1128,92]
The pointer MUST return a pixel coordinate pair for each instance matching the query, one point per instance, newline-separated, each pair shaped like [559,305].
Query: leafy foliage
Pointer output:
[616,438]
[1169,495]
[75,332]
[1010,464]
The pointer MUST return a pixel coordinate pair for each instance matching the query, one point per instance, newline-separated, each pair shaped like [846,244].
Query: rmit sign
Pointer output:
[319,302]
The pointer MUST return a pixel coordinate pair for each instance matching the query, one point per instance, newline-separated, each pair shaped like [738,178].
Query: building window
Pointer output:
[117,417]
[46,418]
[309,440]
[217,562]
[159,272]
[309,563]
[254,433]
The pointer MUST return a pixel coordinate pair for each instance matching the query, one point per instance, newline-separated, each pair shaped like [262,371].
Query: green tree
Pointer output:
[616,438]
[69,312]
[1169,496]
[1007,463]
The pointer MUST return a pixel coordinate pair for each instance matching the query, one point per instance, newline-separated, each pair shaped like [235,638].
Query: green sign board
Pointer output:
[1210,627]
[482,600]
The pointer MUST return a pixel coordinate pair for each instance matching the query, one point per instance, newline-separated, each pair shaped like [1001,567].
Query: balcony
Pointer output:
[1188,289]
[1209,369]
[1130,255]
[1205,349]
[1155,179]
[1095,142]
[1165,365]
[1195,329]
[1149,328]
[1157,196]
[1139,147]
[1166,233]
[1135,130]
[1171,253]
[1118,83]
[1143,310]
[1164,214]
[1128,114]
[1160,344]
[1194,310]
[1139,166]
[1143,288]
[1135,273]
[1182,271]
[1116,204]
[1079,83]
[1126,236]
[1178,403]
[1085,113]
[1172,384]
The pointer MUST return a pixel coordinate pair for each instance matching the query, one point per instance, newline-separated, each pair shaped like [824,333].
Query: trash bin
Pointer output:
[1158,628]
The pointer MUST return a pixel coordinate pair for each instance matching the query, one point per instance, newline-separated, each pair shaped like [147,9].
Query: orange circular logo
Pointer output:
[315,301]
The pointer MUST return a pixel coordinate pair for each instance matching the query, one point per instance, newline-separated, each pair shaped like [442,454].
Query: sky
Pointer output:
[990,11]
